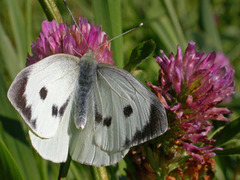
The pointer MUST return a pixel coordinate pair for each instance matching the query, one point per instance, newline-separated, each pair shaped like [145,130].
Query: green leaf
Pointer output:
[229,151]
[227,133]
[140,53]
[107,13]
[140,75]
[8,167]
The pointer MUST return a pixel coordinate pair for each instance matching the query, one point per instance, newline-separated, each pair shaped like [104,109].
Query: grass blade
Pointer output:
[9,56]
[14,138]
[28,24]
[209,24]
[18,29]
[108,14]
[9,168]
[176,24]
[227,133]
[235,150]
[5,107]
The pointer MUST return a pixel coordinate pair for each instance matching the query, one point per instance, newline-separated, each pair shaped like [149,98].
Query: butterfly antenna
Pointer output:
[128,31]
[75,23]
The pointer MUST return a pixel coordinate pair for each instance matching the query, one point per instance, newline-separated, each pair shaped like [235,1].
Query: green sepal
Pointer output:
[139,54]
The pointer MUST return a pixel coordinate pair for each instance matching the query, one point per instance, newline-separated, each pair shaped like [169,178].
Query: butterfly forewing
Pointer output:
[41,92]
[126,112]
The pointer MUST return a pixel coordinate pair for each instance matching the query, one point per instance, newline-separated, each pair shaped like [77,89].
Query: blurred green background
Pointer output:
[213,24]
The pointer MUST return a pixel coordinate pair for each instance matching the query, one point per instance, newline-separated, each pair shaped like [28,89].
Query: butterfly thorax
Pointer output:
[86,78]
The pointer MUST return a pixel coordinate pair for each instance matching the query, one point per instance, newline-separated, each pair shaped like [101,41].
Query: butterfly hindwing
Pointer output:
[56,148]
[83,148]
[126,112]
[41,92]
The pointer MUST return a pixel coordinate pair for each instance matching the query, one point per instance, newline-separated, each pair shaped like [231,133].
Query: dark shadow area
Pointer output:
[13,128]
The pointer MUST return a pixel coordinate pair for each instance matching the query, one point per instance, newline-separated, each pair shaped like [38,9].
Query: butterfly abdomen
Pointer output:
[83,93]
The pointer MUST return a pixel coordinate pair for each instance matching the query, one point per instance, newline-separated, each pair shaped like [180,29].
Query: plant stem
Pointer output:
[51,10]
[64,167]
[100,173]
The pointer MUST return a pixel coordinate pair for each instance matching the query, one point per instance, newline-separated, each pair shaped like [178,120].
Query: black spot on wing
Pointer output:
[98,116]
[107,121]
[33,123]
[43,93]
[54,110]
[63,108]
[127,111]
[21,101]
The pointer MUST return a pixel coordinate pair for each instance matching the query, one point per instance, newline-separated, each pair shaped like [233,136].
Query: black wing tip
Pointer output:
[156,126]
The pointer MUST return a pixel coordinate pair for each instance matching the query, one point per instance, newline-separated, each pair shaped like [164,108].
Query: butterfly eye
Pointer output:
[43,93]
[127,111]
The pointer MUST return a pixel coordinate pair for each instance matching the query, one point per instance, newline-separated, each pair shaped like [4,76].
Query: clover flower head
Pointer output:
[59,38]
[191,86]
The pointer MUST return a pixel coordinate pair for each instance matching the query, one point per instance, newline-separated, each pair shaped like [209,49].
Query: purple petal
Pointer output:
[69,45]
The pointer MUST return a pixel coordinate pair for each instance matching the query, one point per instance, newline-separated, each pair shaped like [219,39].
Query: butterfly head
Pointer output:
[89,55]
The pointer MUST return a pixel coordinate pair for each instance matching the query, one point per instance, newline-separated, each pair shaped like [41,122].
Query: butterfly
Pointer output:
[93,111]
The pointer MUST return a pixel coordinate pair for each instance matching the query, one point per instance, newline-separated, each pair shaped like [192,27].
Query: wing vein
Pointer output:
[111,86]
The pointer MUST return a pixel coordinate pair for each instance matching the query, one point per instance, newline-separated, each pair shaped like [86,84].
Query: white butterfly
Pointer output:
[93,111]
